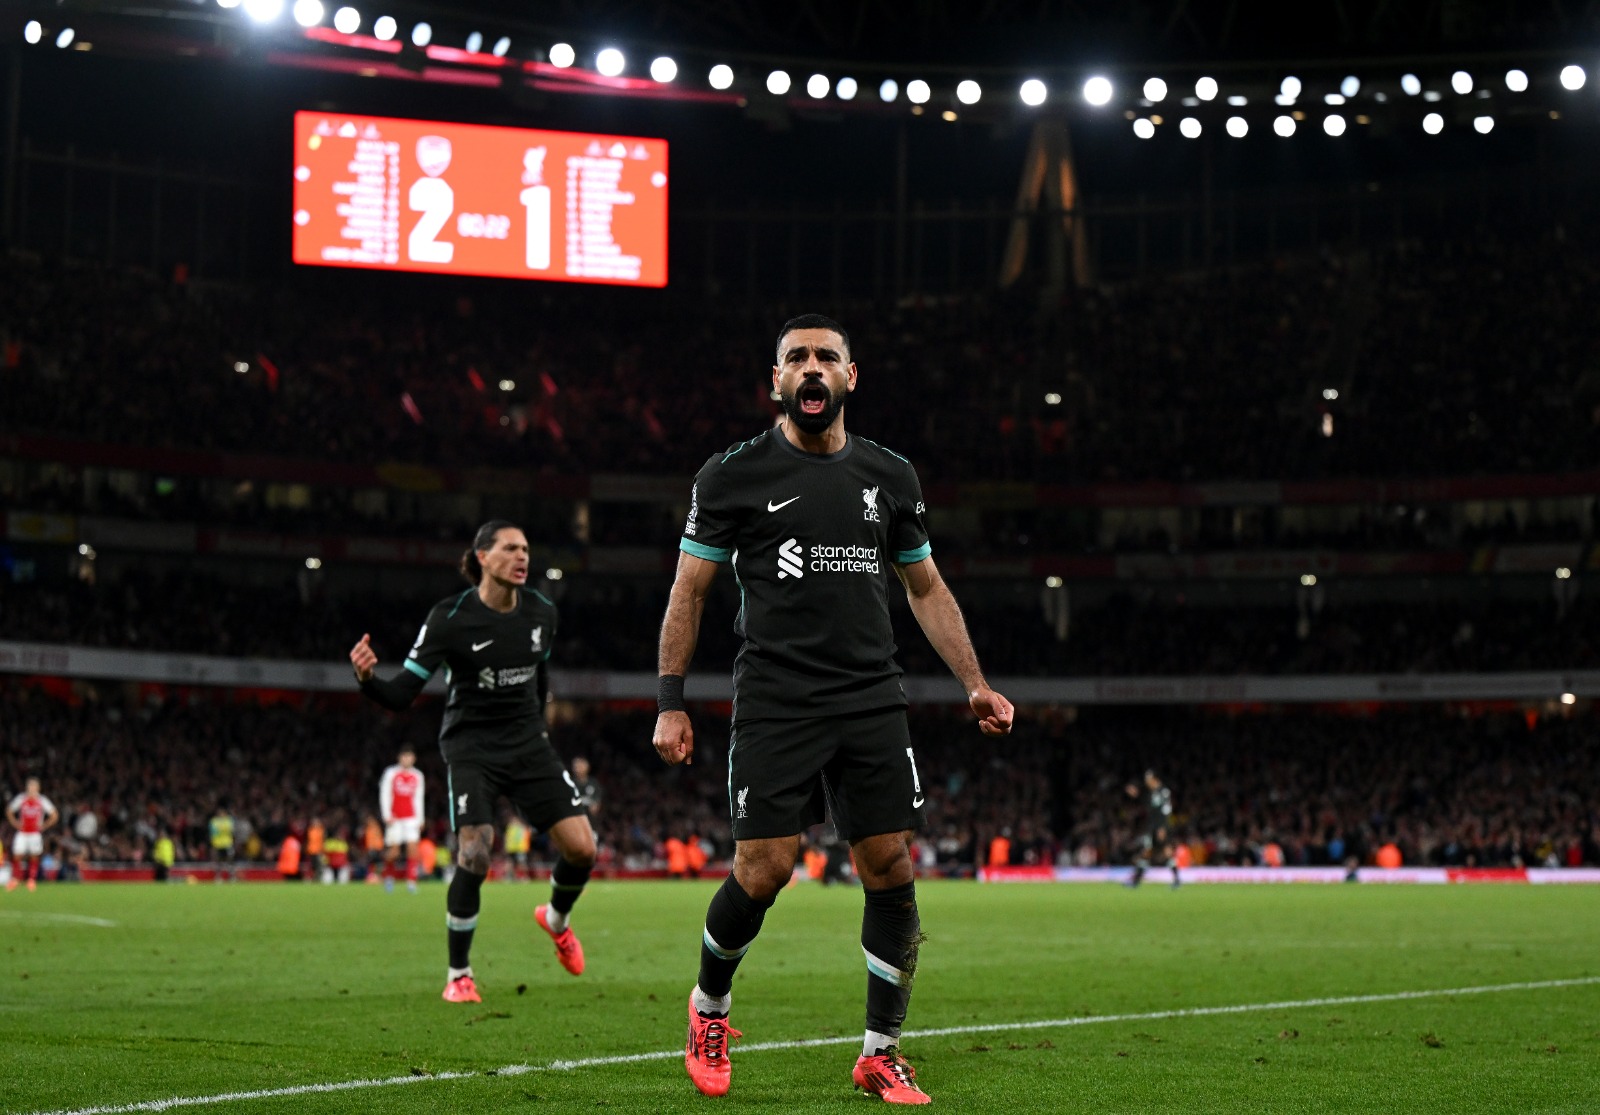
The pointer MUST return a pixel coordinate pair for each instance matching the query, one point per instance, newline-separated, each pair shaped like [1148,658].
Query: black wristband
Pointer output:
[669,693]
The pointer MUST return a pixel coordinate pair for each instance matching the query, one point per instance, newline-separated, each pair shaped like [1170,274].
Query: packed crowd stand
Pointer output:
[612,625]
[1481,787]
[1467,357]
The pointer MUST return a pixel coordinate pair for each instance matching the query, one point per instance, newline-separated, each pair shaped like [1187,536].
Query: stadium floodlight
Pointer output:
[1144,129]
[1237,101]
[889,90]
[562,55]
[1569,698]
[347,21]
[308,13]
[918,91]
[228,3]
[1284,126]
[1516,81]
[1290,87]
[1052,398]
[475,42]
[817,86]
[385,28]
[1461,82]
[1308,580]
[1189,127]
[1483,125]
[1331,394]
[1411,85]
[1238,127]
[263,11]
[64,40]
[32,31]
[847,88]
[1333,98]
[778,82]
[1350,86]
[1097,91]
[502,46]
[1052,581]
[422,35]
[1333,124]
[1563,573]
[1433,96]
[1206,88]
[1433,123]
[552,574]
[313,563]
[1155,90]
[1033,92]
[663,69]
[721,76]
[968,92]
[610,62]
[1572,78]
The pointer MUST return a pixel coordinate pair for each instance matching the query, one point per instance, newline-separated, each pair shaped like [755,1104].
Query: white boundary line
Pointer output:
[810,1043]
[68,919]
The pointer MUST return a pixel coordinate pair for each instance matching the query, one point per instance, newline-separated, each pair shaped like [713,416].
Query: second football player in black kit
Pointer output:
[814,521]
[493,641]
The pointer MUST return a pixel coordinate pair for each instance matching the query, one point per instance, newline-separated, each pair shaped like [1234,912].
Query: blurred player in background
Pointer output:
[819,709]
[31,814]
[588,788]
[1156,844]
[400,797]
[494,642]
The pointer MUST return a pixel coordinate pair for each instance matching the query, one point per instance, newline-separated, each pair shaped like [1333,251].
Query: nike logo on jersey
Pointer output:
[916,803]
[480,646]
[779,506]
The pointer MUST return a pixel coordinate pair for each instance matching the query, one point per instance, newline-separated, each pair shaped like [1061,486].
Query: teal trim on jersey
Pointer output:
[884,971]
[891,452]
[543,597]
[700,550]
[450,795]
[908,557]
[460,600]
[418,669]
[740,448]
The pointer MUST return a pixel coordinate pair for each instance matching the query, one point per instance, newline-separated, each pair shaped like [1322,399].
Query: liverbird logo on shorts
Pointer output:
[742,794]
[869,496]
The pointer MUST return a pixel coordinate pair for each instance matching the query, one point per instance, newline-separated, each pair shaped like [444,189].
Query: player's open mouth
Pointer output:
[813,397]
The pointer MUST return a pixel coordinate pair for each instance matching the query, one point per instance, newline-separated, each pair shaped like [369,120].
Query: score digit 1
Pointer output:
[536,201]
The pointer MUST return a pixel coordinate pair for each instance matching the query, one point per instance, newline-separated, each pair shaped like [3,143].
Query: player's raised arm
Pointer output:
[392,693]
[940,618]
[680,631]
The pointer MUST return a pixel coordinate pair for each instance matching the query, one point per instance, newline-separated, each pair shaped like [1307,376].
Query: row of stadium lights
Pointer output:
[1098,91]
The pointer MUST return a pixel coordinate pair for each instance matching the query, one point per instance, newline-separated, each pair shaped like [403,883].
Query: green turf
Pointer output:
[198,990]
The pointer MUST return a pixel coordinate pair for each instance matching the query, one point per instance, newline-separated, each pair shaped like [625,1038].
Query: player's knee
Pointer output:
[474,850]
[581,853]
[762,877]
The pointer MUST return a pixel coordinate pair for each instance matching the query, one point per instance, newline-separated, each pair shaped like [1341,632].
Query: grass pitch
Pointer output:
[192,991]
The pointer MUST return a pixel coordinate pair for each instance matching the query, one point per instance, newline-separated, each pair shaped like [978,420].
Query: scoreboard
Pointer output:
[467,199]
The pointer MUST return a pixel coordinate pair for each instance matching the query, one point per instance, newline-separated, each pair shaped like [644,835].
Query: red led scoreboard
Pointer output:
[418,195]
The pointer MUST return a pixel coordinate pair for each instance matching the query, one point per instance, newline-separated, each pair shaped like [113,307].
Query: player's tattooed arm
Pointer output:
[680,631]
[940,618]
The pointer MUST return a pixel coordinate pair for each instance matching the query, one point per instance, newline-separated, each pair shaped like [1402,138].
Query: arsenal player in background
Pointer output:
[400,795]
[30,813]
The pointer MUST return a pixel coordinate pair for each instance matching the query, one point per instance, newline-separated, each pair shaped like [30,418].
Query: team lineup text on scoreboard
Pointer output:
[469,199]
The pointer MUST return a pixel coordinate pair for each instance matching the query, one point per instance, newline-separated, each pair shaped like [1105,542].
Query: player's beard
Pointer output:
[814,423]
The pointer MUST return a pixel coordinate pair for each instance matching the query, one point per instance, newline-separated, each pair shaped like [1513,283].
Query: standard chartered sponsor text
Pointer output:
[842,559]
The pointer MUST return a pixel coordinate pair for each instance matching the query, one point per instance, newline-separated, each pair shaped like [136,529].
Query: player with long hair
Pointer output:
[493,641]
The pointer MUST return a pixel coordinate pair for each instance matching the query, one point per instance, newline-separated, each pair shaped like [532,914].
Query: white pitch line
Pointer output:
[810,1043]
[70,919]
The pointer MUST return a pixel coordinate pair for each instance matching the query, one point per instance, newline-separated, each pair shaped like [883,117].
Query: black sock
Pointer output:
[732,922]
[891,933]
[461,915]
[566,884]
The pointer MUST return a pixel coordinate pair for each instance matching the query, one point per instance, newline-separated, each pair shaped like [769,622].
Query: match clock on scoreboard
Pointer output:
[467,199]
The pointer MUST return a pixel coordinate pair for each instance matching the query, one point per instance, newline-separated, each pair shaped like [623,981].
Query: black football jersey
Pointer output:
[496,669]
[811,538]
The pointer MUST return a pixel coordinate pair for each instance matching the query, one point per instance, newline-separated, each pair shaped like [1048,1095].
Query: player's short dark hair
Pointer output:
[471,568]
[813,321]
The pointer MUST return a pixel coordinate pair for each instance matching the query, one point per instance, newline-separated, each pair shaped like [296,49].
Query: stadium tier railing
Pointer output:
[61,660]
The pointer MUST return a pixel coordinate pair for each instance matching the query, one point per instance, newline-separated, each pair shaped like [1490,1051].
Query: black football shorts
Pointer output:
[786,775]
[537,785]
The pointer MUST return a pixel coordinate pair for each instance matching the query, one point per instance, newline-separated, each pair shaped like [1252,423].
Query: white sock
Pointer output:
[457,973]
[556,919]
[876,1043]
[712,1004]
